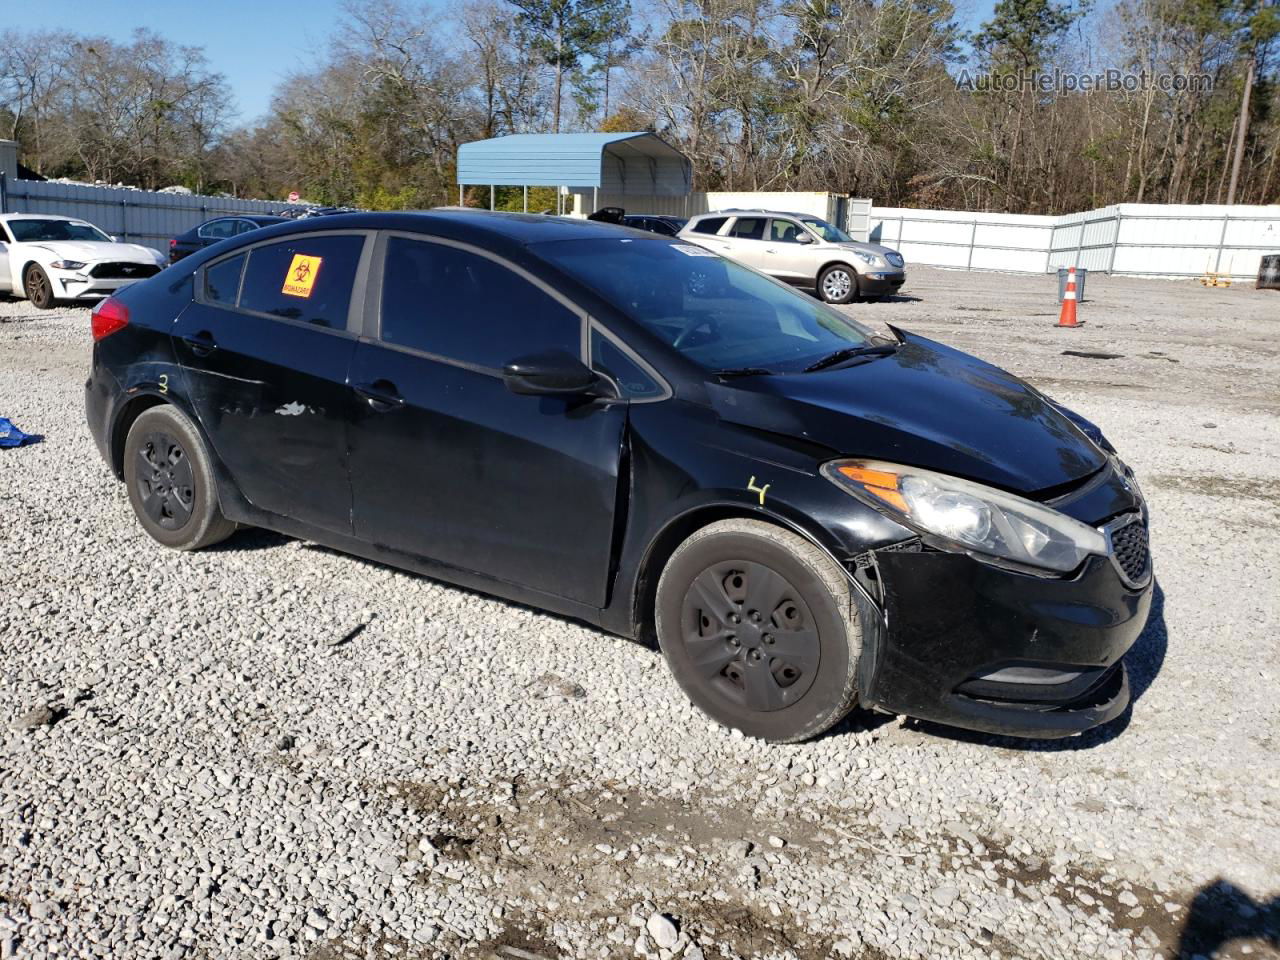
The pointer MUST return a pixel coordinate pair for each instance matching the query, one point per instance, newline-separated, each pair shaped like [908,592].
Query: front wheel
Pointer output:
[837,284]
[170,482]
[759,629]
[38,288]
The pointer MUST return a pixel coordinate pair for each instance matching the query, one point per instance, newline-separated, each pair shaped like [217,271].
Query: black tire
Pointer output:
[38,288]
[790,674]
[838,283]
[170,482]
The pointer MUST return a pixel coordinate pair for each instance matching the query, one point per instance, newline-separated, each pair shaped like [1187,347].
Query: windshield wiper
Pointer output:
[850,353]
[742,372]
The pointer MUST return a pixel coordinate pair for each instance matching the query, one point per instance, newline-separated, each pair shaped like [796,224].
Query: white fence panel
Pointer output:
[1153,240]
[136,216]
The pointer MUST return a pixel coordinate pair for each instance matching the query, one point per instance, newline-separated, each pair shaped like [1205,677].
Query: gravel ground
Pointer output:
[270,749]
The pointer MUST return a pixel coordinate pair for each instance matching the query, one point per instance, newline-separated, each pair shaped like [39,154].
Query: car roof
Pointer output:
[512,229]
[769,213]
[41,216]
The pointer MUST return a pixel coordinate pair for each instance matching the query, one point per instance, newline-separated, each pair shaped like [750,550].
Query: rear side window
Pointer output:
[748,228]
[303,278]
[710,225]
[460,305]
[222,281]
[218,229]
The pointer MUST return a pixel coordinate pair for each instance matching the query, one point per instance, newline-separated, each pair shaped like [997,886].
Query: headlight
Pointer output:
[67,265]
[870,259]
[970,516]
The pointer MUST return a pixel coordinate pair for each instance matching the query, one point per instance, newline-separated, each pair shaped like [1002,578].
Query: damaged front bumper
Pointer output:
[967,643]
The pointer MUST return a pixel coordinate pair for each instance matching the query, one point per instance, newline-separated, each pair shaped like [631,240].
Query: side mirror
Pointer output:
[804,238]
[554,373]
[114,238]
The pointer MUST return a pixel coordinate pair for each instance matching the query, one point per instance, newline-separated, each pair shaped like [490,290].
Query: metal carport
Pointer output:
[634,164]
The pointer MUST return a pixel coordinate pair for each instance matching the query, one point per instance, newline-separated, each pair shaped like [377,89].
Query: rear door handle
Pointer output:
[202,344]
[381,395]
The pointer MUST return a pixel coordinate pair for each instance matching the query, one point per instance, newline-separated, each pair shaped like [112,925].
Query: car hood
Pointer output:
[92,251]
[926,405]
[879,249]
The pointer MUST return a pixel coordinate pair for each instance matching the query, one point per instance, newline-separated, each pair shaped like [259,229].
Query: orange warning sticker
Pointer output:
[301,276]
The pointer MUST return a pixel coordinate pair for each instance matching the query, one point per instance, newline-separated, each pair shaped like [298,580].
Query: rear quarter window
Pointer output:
[222,281]
[308,279]
[710,225]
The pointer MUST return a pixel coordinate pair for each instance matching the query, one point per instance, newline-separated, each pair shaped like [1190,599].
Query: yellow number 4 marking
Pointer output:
[751,485]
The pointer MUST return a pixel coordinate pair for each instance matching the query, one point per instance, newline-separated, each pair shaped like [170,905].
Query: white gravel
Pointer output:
[190,767]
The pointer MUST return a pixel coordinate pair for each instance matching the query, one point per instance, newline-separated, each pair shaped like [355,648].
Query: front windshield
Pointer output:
[826,231]
[36,231]
[719,314]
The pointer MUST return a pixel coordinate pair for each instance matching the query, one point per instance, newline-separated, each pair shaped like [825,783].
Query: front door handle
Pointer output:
[202,344]
[381,395]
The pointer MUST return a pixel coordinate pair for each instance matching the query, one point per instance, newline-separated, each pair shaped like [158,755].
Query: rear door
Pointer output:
[747,242]
[215,230]
[265,349]
[446,463]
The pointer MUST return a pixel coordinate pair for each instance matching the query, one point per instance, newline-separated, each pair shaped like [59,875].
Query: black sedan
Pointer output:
[654,223]
[212,231]
[640,434]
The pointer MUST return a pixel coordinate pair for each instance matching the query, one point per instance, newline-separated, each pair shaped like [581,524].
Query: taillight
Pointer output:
[173,242]
[108,317]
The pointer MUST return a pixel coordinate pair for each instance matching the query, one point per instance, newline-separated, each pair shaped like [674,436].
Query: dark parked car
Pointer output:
[213,231]
[641,434]
[654,223]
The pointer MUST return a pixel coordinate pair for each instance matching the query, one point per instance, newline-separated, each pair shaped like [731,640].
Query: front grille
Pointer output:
[1132,553]
[895,259]
[124,271]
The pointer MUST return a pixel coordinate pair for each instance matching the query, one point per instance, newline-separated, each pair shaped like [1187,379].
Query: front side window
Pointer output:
[459,305]
[784,231]
[748,228]
[826,231]
[305,278]
[716,312]
[44,231]
[610,359]
[709,225]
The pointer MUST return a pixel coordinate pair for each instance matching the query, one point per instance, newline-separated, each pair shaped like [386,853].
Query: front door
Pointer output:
[789,259]
[266,349]
[446,463]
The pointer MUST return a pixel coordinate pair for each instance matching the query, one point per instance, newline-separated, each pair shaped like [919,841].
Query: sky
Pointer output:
[254,43]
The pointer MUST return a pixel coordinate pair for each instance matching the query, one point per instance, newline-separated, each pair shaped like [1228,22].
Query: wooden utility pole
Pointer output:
[1242,127]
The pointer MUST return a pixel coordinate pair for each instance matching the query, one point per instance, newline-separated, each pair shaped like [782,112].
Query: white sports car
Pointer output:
[46,259]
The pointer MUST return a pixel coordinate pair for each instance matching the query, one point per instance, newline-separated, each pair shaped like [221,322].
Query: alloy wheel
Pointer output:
[836,284]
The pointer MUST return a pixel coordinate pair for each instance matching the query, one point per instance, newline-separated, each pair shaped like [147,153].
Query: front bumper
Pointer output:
[69,286]
[977,646]
[881,282]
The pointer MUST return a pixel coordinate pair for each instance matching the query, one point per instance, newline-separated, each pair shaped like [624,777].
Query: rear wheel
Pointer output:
[170,482]
[759,629]
[38,288]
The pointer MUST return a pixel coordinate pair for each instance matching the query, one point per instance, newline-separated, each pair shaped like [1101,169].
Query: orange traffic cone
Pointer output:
[1067,318]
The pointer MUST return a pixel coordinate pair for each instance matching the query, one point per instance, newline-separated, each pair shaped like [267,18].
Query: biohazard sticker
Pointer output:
[301,278]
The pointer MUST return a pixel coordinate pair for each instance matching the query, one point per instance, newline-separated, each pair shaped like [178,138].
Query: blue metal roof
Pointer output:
[627,163]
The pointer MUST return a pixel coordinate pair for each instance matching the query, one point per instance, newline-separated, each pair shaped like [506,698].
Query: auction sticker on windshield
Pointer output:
[301,278]
[689,250]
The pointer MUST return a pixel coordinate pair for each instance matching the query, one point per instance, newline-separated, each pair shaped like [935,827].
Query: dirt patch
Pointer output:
[1211,485]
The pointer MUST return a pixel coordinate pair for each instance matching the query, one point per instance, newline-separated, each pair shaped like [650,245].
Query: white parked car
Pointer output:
[802,250]
[47,259]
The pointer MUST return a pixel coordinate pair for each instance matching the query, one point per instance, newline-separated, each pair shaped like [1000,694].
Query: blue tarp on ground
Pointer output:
[11,436]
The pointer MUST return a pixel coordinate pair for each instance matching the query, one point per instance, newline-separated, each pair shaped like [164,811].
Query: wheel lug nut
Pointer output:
[754,616]
[734,642]
[767,638]
[734,618]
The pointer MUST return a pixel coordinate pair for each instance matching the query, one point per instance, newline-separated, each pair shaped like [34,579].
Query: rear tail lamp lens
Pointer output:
[109,317]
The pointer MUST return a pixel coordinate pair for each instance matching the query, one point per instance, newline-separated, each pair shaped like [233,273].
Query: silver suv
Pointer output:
[800,249]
